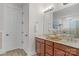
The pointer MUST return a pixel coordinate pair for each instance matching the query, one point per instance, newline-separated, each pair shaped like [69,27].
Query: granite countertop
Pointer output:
[70,43]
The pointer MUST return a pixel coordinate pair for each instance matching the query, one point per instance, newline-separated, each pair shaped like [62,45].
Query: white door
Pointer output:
[10,41]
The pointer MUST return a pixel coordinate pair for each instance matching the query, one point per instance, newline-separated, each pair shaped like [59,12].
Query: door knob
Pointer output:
[26,34]
[7,34]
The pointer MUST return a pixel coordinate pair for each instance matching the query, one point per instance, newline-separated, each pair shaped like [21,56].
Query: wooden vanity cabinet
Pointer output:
[49,48]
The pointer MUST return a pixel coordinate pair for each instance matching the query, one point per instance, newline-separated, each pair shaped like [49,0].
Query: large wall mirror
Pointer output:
[66,21]
[69,25]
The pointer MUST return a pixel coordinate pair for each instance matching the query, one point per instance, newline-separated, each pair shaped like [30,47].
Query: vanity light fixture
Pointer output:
[65,3]
[50,8]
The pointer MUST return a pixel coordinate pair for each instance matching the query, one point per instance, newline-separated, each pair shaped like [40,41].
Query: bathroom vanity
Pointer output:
[65,22]
[49,47]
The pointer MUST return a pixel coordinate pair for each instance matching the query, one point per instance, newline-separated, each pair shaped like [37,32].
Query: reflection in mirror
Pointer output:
[68,26]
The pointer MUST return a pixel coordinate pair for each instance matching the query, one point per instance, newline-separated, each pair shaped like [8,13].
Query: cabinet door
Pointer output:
[42,49]
[58,52]
[49,49]
[11,28]
[38,48]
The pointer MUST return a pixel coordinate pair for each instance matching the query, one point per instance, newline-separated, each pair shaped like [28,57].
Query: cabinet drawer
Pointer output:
[40,40]
[49,50]
[77,52]
[42,49]
[49,43]
[58,52]
[62,47]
